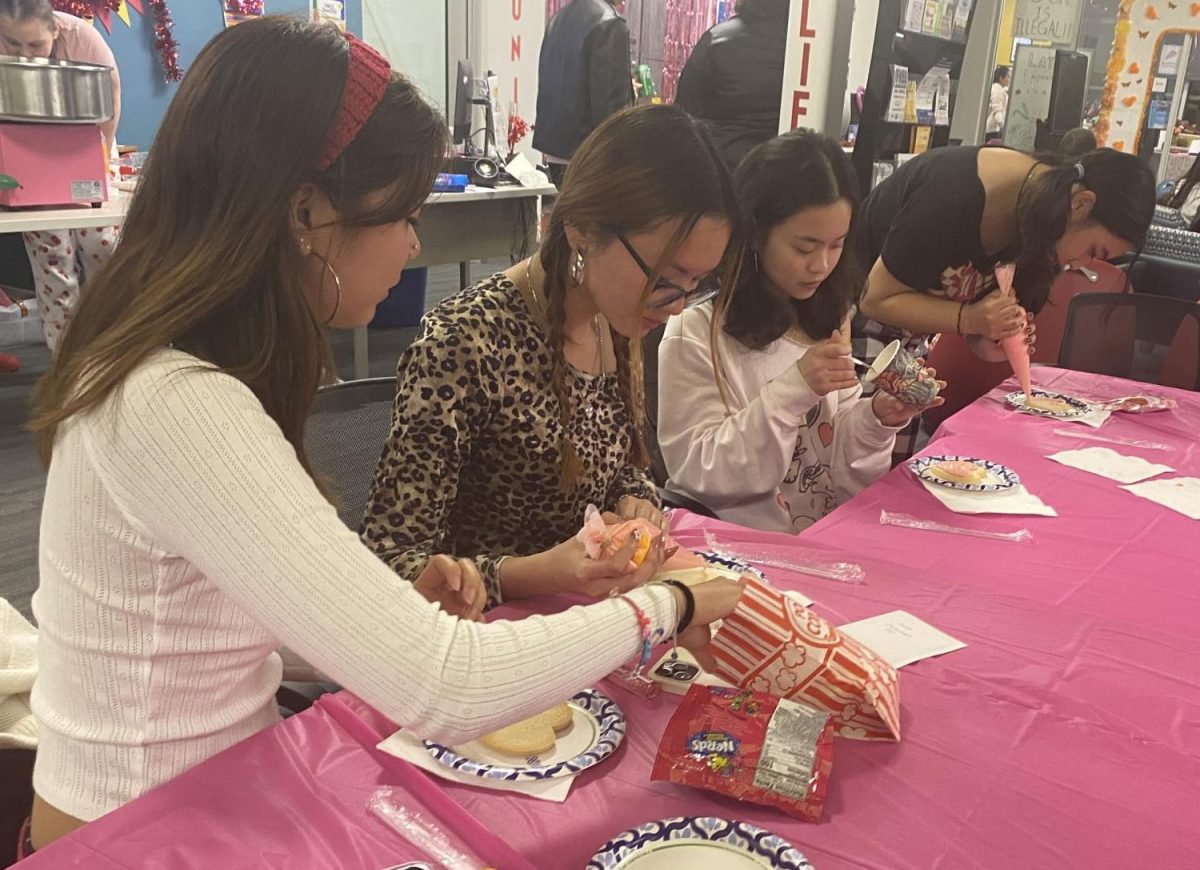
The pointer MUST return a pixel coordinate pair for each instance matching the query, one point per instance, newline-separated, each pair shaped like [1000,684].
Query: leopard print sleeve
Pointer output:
[634,481]
[443,400]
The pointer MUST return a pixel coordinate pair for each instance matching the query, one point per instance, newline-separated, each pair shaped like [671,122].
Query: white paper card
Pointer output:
[1177,493]
[1111,464]
[404,745]
[900,638]
[1017,500]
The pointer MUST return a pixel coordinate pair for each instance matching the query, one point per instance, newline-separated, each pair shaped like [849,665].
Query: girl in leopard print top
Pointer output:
[521,400]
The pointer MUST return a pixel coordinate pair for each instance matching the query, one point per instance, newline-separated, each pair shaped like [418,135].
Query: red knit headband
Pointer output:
[367,77]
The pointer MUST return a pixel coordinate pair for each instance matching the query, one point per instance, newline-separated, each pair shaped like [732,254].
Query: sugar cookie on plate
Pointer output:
[533,736]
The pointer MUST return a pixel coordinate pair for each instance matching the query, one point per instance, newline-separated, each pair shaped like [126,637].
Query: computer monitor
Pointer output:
[464,107]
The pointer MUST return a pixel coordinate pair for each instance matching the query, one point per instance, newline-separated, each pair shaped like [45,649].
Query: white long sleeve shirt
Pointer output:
[779,457]
[182,543]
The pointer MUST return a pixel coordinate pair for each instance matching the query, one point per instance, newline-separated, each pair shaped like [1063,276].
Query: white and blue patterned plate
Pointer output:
[703,843]
[596,730]
[1000,477]
[1078,406]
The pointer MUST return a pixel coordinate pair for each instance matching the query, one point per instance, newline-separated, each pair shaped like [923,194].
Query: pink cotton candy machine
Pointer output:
[51,148]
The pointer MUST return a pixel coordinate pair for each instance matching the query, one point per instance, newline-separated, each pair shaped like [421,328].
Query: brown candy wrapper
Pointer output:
[749,745]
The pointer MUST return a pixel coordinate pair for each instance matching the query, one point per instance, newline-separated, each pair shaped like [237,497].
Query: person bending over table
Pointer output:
[933,232]
[761,419]
[184,538]
[520,402]
[62,259]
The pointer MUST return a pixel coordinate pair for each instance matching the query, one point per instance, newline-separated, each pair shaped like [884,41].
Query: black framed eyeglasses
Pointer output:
[666,293]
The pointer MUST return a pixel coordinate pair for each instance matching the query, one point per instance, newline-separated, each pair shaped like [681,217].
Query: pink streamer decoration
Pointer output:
[687,21]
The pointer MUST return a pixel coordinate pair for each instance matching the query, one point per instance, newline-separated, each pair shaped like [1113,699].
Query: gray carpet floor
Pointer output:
[22,478]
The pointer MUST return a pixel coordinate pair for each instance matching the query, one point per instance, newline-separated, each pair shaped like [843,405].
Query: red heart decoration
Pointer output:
[825,433]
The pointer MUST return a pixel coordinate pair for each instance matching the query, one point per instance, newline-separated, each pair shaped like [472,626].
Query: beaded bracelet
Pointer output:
[644,625]
[634,677]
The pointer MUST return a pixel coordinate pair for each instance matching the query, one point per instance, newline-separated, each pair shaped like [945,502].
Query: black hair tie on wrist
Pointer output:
[689,605]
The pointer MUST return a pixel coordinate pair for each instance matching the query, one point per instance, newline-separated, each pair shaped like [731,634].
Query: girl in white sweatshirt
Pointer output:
[761,414]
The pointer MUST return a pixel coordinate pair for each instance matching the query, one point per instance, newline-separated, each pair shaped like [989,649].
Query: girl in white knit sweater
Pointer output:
[761,414]
[183,538]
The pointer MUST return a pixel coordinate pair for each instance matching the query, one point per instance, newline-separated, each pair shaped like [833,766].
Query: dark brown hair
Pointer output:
[1076,142]
[23,10]
[207,262]
[638,169]
[780,178]
[1124,188]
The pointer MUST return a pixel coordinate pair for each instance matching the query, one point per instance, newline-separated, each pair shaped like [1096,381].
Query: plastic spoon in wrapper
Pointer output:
[889,518]
[843,572]
[422,833]
[1016,348]
[1127,442]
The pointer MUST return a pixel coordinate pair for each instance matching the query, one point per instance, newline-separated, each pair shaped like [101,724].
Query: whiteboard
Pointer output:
[1055,21]
[412,36]
[1029,95]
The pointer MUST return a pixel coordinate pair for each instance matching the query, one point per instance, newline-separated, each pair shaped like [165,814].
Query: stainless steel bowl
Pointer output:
[48,91]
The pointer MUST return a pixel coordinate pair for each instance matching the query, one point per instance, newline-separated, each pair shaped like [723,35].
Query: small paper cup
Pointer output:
[897,373]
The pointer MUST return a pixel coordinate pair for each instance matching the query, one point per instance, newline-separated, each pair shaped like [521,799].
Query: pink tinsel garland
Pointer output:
[164,38]
[687,20]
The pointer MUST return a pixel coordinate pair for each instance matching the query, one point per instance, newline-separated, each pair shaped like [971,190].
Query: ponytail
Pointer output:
[1124,189]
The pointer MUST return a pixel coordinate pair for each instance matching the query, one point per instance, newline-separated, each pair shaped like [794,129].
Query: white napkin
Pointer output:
[900,638]
[1178,493]
[404,745]
[1016,500]
[1094,418]
[1111,464]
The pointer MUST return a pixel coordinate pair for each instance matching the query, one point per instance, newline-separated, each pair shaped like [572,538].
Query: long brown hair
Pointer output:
[207,263]
[638,169]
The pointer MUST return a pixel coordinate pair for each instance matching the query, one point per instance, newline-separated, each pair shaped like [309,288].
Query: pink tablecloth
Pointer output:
[1067,734]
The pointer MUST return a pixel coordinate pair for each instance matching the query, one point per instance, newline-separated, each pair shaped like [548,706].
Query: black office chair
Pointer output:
[344,438]
[1172,243]
[1170,218]
[1155,339]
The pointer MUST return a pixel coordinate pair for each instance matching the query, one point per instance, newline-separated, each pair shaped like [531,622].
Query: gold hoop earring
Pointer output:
[337,283]
[577,268]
